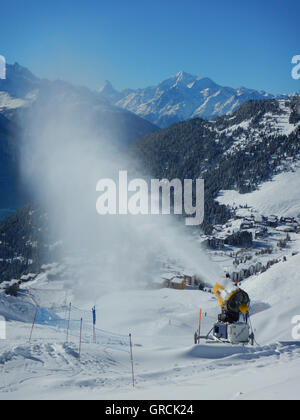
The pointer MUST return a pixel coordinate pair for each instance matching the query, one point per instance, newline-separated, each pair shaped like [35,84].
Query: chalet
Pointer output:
[178,283]
[272,221]
[214,242]
[287,229]
[250,218]
[193,282]
[286,220]
[259,219]
[174,282]
[246,225]
[260,233]
[28,277]
[243,238]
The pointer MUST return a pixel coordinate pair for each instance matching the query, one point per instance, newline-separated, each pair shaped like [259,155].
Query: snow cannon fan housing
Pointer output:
[233,304]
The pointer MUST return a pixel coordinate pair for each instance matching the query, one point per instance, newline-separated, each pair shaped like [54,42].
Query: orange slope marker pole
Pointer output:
[200,317]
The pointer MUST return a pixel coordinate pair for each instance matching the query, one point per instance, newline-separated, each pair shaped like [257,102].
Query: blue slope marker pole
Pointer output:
[94,324]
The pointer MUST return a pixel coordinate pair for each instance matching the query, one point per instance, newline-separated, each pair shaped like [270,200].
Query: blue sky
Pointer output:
[137,43]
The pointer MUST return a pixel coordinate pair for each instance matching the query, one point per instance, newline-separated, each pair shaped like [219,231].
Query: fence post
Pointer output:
[68,325]
[33,323]
[79,352]
[131,359]
[200,316]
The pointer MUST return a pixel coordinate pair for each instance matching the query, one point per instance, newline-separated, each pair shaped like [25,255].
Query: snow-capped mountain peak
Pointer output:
[109,92]
[182,97]
[107,87]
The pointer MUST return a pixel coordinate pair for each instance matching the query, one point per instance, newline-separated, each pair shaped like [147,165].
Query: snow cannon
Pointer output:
[233,303]
[233,322]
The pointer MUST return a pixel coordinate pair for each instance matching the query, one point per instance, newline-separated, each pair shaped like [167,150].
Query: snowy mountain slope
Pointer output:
[19,82]
[162,322]
[278,288]
[8,102]
[167,365]
[13,309]
[22,92]
[233,152]
[49,369]
[182,97]
[280,196]
[252,130]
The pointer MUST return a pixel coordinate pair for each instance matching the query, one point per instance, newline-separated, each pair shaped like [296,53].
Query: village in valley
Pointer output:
[247,245]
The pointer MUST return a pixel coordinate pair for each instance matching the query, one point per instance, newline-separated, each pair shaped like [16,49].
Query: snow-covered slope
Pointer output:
[162,321]
[279,290]
[167,365]
[273,123]
[19,82]
[7,102]
[280,196]
[182,97]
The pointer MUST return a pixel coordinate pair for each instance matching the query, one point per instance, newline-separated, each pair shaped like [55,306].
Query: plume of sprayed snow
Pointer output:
[65,153]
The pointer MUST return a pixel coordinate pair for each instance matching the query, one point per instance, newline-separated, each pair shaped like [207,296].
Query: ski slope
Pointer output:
[280,196]
[162,322]
[167,364]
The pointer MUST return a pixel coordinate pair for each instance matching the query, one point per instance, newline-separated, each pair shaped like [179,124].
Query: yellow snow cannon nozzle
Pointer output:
[244,309]
[218,289]
[226,301]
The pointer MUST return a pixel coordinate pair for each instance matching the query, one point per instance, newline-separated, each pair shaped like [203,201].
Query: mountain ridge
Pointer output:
[232,152]
[183,97]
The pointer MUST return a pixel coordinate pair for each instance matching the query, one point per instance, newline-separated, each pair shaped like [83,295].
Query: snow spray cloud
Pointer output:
[65,153]
[2,328]
[2,68]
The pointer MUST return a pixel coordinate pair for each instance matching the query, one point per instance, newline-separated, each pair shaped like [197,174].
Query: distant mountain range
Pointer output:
[182,97]
[24,95]
[22,90]
[113,113]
